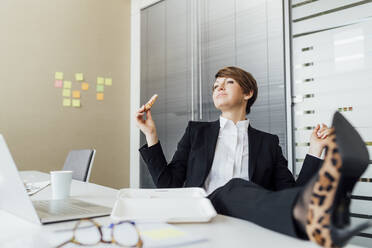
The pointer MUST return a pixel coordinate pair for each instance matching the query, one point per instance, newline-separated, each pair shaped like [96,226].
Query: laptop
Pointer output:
[15,200]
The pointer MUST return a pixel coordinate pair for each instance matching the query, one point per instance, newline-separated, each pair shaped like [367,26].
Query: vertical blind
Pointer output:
[332,70]
[185,42]
[166,71]
[247,34]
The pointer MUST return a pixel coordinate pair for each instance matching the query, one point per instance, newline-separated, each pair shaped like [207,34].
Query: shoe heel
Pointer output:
[341,236]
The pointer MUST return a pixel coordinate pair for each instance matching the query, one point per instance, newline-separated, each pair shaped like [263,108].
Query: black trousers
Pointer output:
[270,209]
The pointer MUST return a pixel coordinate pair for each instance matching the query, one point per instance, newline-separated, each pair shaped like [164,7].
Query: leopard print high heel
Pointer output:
[328,212]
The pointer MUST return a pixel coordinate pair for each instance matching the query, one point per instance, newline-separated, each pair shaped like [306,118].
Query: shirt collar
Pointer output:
[240,124]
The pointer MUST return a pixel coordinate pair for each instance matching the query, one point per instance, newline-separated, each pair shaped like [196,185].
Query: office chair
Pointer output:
[80,162]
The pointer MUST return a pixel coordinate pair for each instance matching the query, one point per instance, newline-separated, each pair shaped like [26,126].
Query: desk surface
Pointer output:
[222,231]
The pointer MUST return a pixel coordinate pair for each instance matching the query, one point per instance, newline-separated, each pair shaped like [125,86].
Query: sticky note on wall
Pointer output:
[108,81]
[84,86]
[76,103]
[99,96]
[66,102]
[58,75]
[58,83]
[100,80]
[76,94]
[79,77]
[66,92]
[100,88]
[67,84]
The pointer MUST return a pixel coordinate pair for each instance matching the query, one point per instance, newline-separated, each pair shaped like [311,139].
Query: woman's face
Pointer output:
[227,94]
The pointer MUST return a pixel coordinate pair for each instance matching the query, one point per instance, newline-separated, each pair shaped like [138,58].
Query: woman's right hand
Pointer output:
[147,126]
[318,139]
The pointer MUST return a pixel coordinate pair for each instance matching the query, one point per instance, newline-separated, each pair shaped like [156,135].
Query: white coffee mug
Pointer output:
[61,184]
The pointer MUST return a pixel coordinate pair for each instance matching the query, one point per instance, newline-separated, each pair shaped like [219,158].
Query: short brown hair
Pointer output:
[244,79]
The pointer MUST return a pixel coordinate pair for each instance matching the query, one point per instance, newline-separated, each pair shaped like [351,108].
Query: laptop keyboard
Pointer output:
[65,208]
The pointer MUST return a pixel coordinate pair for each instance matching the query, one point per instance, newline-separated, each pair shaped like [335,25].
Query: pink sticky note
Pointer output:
[58,83]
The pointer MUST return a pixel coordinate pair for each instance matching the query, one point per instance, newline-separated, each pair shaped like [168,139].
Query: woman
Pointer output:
[317,210]
[211,153]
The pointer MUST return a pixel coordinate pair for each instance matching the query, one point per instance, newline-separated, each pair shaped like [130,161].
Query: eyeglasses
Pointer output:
[87,232]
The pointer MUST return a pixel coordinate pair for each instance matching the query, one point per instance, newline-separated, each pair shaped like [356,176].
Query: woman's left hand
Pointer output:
[318,139]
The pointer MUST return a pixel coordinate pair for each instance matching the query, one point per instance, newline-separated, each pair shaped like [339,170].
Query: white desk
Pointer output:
[222,231]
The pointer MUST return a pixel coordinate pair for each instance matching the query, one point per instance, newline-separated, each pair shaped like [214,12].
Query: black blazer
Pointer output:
[193,159]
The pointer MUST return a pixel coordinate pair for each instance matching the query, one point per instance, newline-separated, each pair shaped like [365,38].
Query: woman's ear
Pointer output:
[248,96]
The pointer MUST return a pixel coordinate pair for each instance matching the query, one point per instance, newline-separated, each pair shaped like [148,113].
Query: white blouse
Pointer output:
[231,154]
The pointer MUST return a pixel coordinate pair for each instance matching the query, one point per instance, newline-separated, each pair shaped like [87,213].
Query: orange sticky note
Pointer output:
[100,96]
[84,86]
[76,94]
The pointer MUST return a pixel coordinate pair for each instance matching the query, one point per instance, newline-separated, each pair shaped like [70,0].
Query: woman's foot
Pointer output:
[325,199]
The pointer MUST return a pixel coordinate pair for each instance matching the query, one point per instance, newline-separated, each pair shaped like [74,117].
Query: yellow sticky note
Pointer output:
[164,233]
[100,88]
[66,92]
[100,96]
[58,75]
[108,81]
[100,80]
[76,103]
[67,84]
[84,86]
[66,102]
[79,77]
[76,94]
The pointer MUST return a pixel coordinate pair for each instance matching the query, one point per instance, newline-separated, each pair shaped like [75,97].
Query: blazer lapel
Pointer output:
[254,141]
[211,141]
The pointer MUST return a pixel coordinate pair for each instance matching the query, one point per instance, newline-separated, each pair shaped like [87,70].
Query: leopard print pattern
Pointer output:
[324,191]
